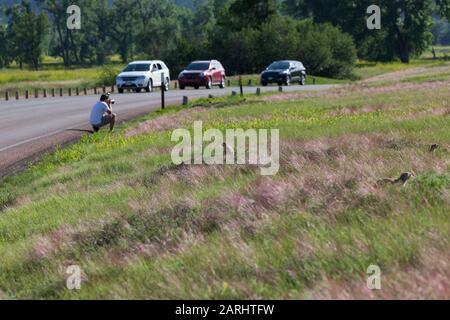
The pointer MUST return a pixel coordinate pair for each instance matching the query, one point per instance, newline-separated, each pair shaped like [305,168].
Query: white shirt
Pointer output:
[99,109]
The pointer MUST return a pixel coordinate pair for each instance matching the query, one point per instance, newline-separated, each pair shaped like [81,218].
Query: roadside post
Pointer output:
[36,93]
[258,91]
[17,95]
[27,94]
[163,91]
[53,92]
[6,95]
[44,93]
[60,92]
[241,87]
[185,100]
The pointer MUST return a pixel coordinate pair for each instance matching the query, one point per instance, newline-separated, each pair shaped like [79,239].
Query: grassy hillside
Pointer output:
[140,227]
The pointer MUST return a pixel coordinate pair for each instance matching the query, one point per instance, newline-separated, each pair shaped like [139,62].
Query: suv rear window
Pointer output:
[137,67]
[198,66]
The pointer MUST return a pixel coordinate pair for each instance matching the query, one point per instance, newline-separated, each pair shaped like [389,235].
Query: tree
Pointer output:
[125,27]
[405,24]
[88,45]
[92,43]
[57,10]
[248,13]
[4,43]
[26,31]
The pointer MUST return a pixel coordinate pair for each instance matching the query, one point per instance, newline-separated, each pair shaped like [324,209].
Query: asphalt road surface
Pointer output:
[30,127]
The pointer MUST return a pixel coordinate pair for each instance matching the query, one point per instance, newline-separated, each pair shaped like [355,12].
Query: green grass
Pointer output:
[366,70]
[255,80]
[442,52]
[20,80]
[141,227]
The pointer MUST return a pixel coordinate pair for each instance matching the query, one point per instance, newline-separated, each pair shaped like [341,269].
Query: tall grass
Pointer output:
[141,227]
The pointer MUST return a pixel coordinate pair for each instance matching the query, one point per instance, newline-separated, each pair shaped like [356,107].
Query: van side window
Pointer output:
[159,66]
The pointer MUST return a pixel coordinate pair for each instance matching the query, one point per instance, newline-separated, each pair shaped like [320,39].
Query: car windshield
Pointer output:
[137,67]
[198,66]
[279,66]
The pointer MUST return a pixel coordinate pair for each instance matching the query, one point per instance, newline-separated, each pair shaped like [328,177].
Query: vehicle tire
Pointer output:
[120,90]
[196,87]
[302,80]
[137,90]
[209,84]
[280,84]
[149,87]
[167,85]
[264,83]
[222,83]
[288,81]
[182,87]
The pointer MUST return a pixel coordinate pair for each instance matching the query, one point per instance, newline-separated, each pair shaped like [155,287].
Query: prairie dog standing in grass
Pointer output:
[404,178]
[434,147]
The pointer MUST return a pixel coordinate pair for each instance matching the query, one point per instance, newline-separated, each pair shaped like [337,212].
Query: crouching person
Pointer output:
[102,115]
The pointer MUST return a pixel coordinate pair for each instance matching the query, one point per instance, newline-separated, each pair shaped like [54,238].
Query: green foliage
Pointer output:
[108,75]
[249,13]
[322,48]
[181,31]
[405,24]
[26,33]
[245,35]
[3,47]
[441,32]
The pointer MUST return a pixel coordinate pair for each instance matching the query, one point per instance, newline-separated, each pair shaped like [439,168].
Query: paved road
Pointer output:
[27,120]
[30,128]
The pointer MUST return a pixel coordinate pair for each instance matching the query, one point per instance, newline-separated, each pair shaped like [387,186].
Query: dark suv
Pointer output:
[203,73]
[284,73]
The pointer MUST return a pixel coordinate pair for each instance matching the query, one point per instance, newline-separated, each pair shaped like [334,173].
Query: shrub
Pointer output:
[107,75]
[325,50]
